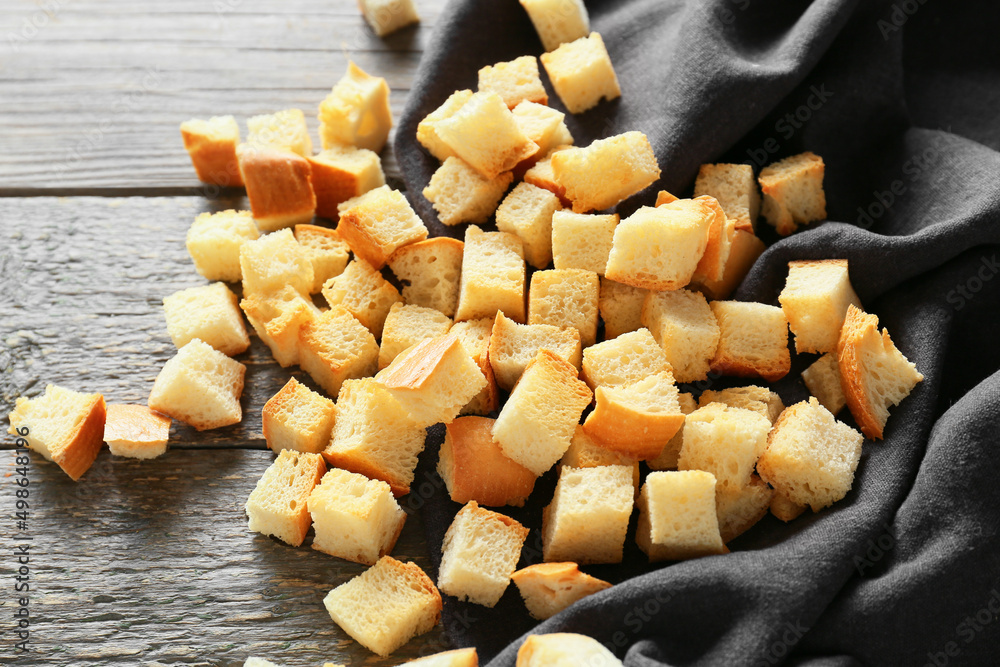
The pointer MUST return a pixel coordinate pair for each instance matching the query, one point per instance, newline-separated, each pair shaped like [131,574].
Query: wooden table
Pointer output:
[151,562]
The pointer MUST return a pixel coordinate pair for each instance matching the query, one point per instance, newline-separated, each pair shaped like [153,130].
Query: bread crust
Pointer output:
[85,442]
[279,186]
[852,371]
[474,467]
[628,429]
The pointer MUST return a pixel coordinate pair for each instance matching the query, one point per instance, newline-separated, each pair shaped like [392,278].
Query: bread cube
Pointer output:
[135,431]
[277,505]
[199,386]
[355,518]
[462,657]
[259,662]
[543,176]
[527,213]
[588,517]
[474,467]
[388,16]
[873,373]
[356,112]
[822,379]
[753,340]
[759,399]
[375,436]
[483,133]
[637,419]
[298,419]
[815,299]
[558,21]
[363,292]
[342,172]
[735,188]
[279,186]
[460,194]
[621,308]
[493,275]
[274,261]
[582,74]
[744,249]
[514,81]
[209,312]
[581,241]
[380,223]
[543,125]
[685,327]
[606,172]
[712,264]
[659,248]
[211,144]
[677,516]
[475,338]
[724,441]
[739,509]
[513,346]
[430,271]
[386,605]
[214,241]
[278,317]
[624,360]
[407,325]
[427,128]
[793,192]
[433,380]
[537,422]
[585,452]
[479,553]
[784,509]
[667,458]
[62,425]
[284,129]
[327,252]
[335,347]
[566,298]
[564,648]
[549,588]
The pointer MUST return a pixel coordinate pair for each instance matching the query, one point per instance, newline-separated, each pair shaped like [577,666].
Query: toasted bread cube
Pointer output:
[605,172]
[284,129]
[793,192]
[364,293]
[543,125]
[479,553]
[822,378]
[527,213]
[298,419]
[356,112]
[558,21]
[211,144]
[514,81]
[811,457]
[430,272]
[62,425]
[277,505]
[585,452]
[388,16]
[582,74]
[199,386]
[564,648]
[513,346]
[637,419]
[209,312]
[566,298]
[873,373]
[274,261]
[462,657]
[407,325]
[434,379]
[386,605]
[214,241]
[785,509]
[744,249]
[355,518]
[135,431]
[460,194]
[342,172]
[335,347]
[427,128]
[739,509]
[621,308]
[483,133]
[685,327]
[537,422]
[278,317]
[581,241]
[724,441]
[753,340]
[677,516]
[759,399]
[659,248]
[474,467]
[588,517]
[712,265]
[475,338]
[735,188]
[667,459]
[380,223]
[624,360]
[815,299]
[328,253]
[493,276]
[375,436]
[279,186]
[543,176]
[549,588]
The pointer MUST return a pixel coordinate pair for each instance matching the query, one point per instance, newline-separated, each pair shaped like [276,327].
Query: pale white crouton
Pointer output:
[380,223]
[335,347]
[493,276]
[588,517]
[581,241]
[284,129]
[277,505]
[388,16]
[460,194]
[214,242]
[724,441]
[558,21]
[605,172]
[328,253]
[527,212]
[815,299]
[566,298]
[430,272]
[199,386]
[686,328]
[356,112]
[273,261]
[512,346]
[515,81]
[793,192]
[298,419]
[364,293]
[677,516]
[621,308]
[135,431]
[753,340]
[582,73]
[210,313]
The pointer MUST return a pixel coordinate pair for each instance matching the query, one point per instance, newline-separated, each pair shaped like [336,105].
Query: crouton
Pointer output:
[327,252]
[581,241]
[744,250]
[356,112]
[624,360]
[407,325]
[759,399]
[298,419]
[364,293]
[135,431]
[549,588]
[279,186]
[667,458]
[427,128]
[430,272]
[273,261]
[724,441]
[462,657]
[605,172]
[815,299]
[753,340]
[542,175]
[527,212]
[64,426]
[214,241]
[793,192]
[474,467]
[677,516]
[735,188]
[784,509]
[684,325]
[211,145]
[335,347]
[342,172]
[585,452]
[460,194]
[822,379]
[199,386]
[543,125]
[475,338]
[637,419]
[558,21]
[582,74]
[621,308]
[588,517]
[277,505]
[566,298]
[284,129]
[493,276]
[388,16]
[739,509]
[379,224]
[564,648]
[483,133]
[278,317]
[209,312]
[514,81]
[513,346]
[712,265]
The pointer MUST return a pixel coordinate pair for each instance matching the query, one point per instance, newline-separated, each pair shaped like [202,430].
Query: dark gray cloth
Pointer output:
[901,99]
